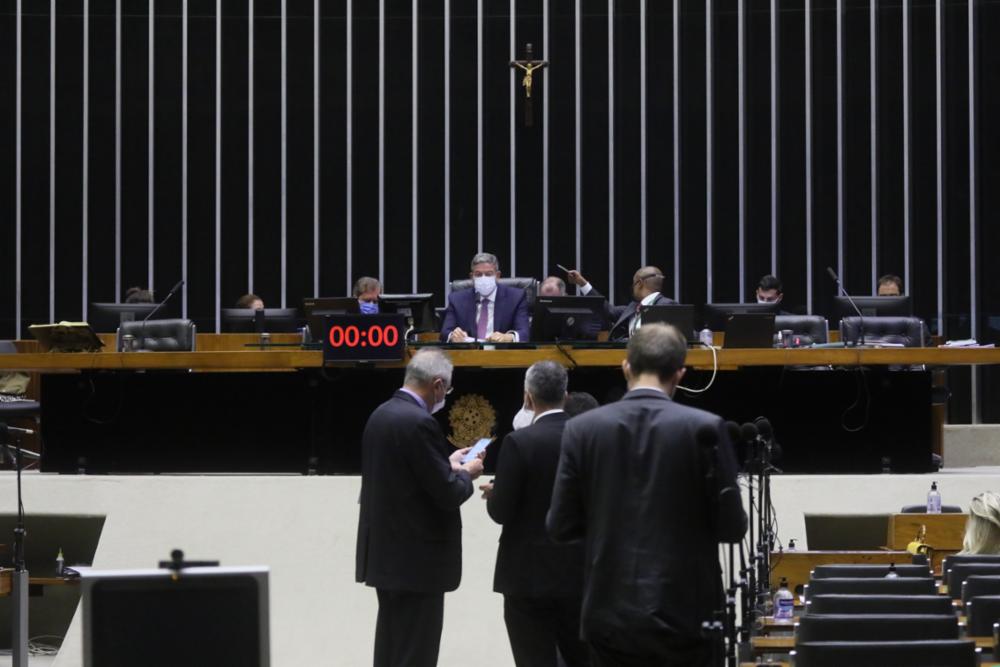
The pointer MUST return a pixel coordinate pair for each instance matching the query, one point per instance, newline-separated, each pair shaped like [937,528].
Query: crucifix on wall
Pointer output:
[529,65]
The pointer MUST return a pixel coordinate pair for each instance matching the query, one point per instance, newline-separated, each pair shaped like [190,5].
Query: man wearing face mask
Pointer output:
[410,530]
[540,581]
[487,311]
[646,285]
[651,501]
[367,291]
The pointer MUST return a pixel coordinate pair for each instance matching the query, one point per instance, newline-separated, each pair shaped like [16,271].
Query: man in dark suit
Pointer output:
[487,310]
[410,530]
[541,581]
[639,481]
[646,285]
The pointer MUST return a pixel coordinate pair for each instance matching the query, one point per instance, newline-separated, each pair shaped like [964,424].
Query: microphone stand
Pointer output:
[160,305]
[860,340]
[19,579]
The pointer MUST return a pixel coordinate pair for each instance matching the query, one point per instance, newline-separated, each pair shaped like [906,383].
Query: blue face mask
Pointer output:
[368,308]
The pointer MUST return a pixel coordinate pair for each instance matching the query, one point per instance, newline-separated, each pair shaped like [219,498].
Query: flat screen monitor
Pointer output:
[872,306]
[416,307]
[677,314]
[716,315]
[206,616]
[105,317]
[567,318]
[316,308]
[270,320]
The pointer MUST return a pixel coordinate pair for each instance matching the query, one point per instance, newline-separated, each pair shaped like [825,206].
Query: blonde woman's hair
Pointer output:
[982,532]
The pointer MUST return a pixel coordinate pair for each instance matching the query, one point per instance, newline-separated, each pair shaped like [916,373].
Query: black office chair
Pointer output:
[922,509]
[872,586]
[529,285]
[906,331]
[956,559]
[863,570]
[981,612]
[875,627]
[929,653]
[959,572]
[978,585]
[160,335]
[808,329]
[839,603]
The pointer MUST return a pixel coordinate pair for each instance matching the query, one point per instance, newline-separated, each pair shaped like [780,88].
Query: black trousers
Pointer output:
[536,626]
[672,654]
[408,631]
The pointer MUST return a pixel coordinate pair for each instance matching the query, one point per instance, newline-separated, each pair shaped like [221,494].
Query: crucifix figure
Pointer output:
[529,65]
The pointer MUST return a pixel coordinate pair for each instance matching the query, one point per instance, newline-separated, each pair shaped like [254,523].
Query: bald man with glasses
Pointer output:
[646,285]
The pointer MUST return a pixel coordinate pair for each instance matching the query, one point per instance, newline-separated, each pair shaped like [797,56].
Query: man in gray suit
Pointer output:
[650,487]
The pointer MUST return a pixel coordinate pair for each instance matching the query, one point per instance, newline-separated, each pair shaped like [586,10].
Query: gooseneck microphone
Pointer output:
[860,340]
[172,291]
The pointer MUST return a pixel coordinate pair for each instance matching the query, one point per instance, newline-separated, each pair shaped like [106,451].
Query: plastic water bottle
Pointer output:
[892,574]
[705,336]
[784,602]
[60,563]
[933,500]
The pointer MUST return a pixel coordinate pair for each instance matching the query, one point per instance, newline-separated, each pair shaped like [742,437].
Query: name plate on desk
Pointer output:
[352,337]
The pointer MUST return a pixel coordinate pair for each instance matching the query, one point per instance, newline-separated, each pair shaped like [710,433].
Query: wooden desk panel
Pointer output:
[229,351]
[945,532]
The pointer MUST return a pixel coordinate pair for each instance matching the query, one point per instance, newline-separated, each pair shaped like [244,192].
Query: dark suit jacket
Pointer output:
[529,564]
[410,529]
[632,483]
[620,317]
[510,312]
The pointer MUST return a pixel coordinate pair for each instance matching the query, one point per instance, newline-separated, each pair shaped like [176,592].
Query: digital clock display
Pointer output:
[352,337]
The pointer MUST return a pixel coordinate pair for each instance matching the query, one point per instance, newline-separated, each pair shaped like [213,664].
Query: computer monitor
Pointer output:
[417,308]
[270,320]
[715,315]
[105,317]
[567,318]
[872,306]
[316,308]
[676,314]
[204,616]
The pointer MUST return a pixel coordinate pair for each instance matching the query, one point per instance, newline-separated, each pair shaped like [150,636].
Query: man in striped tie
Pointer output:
[487,311]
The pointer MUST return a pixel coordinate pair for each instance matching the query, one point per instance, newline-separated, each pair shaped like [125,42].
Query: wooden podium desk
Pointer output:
[231,406]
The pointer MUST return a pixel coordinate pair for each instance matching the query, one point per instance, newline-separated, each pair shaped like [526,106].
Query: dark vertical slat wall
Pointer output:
[289,214]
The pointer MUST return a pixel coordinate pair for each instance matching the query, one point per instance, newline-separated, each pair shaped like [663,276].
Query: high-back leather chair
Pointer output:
[16,409]
[875,586]
[863,570]
[160,335]
[841,603]
[875,627]
[808,329]
[959,572]
[929,653]
[906,331]
[981,612]
[529,285]
[976,586]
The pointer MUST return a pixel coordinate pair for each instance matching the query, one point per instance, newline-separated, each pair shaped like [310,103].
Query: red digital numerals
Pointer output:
[354,336]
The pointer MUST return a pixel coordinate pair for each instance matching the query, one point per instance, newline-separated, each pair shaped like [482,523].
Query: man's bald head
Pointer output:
[646,280]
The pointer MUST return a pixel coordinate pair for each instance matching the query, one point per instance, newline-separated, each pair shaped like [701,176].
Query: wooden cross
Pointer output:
[529,65]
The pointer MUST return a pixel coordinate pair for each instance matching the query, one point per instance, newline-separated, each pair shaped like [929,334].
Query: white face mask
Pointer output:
[524,417]
[485,285]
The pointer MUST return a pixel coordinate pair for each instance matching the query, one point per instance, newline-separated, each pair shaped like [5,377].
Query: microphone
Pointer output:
[748,432]
[767,435]
[172,291]
[733,430]
[861,318]
[4,430]
[724,501]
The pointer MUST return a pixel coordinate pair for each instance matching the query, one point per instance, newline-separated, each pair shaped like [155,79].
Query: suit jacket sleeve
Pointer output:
[565,520]
[732,520]
[509,479]
[447,488]
[450,319]
[611,313]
